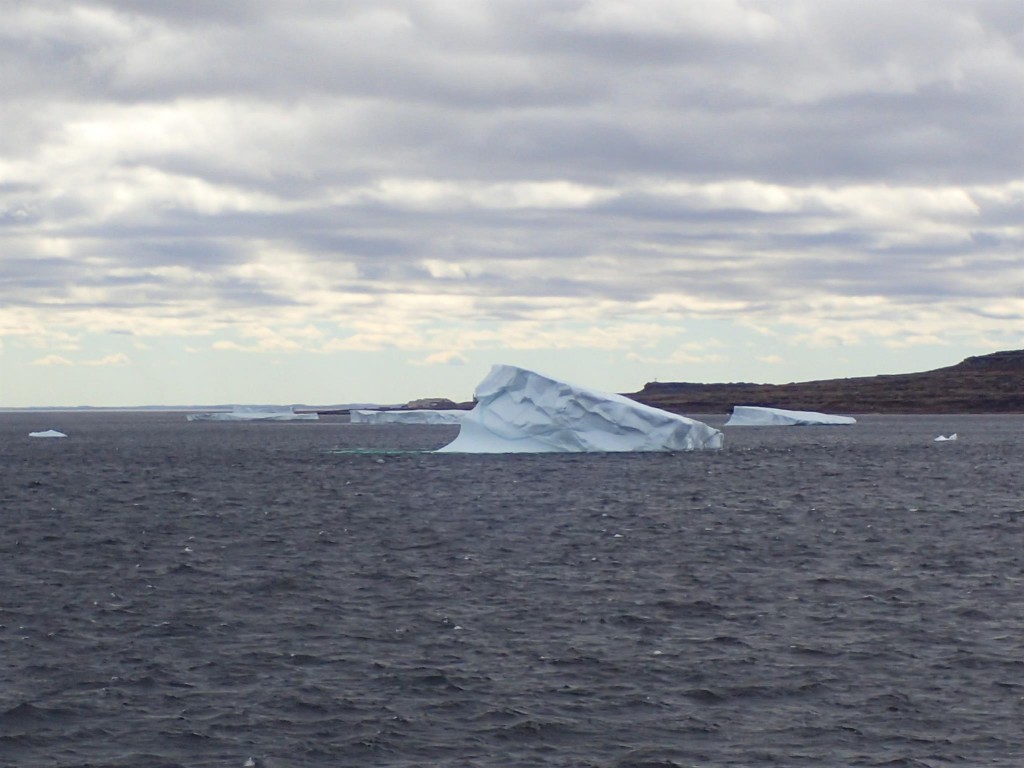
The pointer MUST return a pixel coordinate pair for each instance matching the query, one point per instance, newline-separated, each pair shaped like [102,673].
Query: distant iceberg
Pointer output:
[412,416]
[519,411]
[944,438]
[255,413]
[47,433]
[757,416]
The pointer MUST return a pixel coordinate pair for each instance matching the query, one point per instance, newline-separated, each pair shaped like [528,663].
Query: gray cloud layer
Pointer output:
[219,164]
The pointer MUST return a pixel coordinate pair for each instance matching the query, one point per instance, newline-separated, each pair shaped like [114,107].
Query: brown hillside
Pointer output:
[985,384]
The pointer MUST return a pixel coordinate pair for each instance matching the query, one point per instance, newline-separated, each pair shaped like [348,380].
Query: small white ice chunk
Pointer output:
[944,438]
[47,433]
[519,411]
[758,416]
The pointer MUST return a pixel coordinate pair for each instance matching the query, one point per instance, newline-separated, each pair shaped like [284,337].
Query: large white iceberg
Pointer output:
[758,416]
[47,433]
[411,416]
[519,411]
[255,413]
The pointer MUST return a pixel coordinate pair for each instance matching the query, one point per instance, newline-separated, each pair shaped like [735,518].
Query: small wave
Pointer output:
[547,730]
[27,714]
[704,695]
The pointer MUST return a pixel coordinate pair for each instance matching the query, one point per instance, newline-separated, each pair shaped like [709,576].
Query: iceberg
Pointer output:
[758,416]
[47,433]
[412,416]
[255,413]
[944,438]
[519,411]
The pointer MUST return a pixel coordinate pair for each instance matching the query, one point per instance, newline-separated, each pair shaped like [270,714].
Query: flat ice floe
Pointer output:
[519,411]
[412,416]
[47,433]
[758,416]
[255,413]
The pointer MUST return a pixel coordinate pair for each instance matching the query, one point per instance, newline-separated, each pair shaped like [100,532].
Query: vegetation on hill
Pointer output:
[984,384]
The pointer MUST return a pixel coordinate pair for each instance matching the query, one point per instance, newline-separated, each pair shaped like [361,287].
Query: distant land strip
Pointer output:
[984,384]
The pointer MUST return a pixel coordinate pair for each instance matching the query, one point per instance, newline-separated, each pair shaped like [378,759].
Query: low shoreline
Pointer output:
[978,385]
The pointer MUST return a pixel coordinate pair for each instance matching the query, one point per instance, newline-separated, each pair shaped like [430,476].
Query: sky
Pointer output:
[329,201]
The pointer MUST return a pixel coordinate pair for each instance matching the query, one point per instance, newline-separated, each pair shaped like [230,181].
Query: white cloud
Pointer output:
[262,339]
[115,359]
[718,20]
[52,360]
[432,194]
[445,357]
[704,352]
[446,270]
[228,346]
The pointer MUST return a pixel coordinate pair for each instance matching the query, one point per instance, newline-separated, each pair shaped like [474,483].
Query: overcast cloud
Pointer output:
[448,179]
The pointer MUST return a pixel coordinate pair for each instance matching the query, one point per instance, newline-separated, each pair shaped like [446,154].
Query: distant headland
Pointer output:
[984,384]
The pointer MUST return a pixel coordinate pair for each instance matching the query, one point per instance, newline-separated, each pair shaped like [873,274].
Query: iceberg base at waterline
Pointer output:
[367,416]
[255,413]
[759,416]
[519,411]
[47,433]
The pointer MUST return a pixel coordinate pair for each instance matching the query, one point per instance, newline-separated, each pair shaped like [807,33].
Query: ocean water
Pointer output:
[287,595]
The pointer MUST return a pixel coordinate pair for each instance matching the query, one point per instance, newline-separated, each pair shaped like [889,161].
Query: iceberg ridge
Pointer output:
[255,413]
[759,416]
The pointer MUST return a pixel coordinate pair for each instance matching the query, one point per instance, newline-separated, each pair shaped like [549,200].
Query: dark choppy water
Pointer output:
[211,594]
